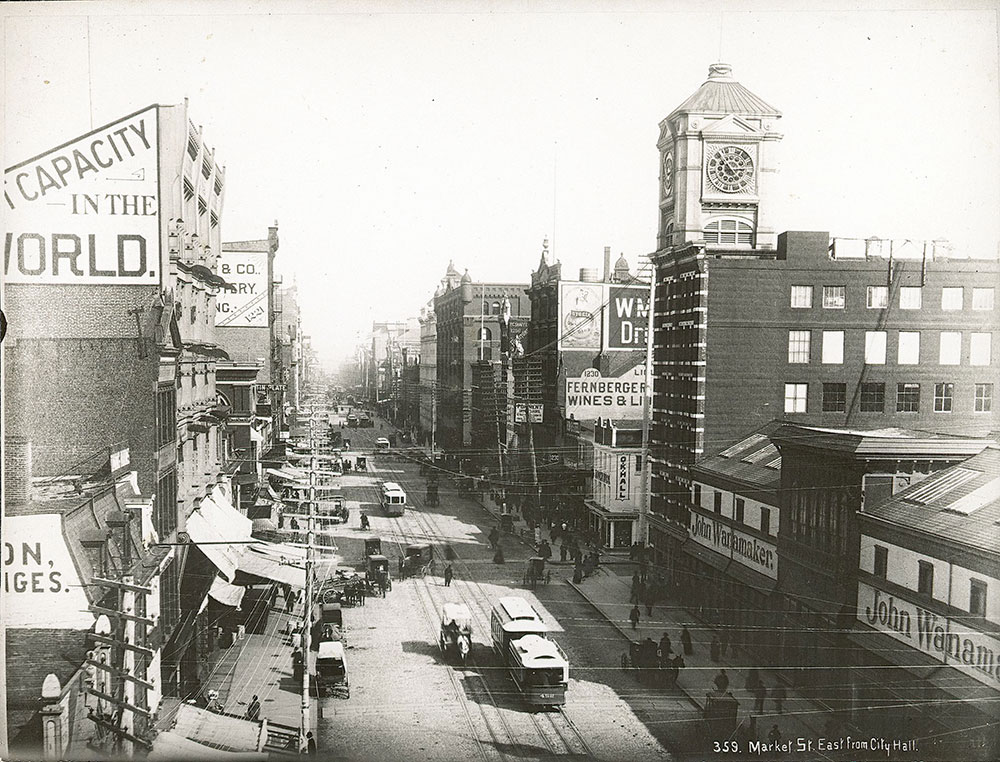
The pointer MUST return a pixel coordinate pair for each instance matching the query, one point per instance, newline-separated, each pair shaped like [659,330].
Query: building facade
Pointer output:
[833,332]
[619,465]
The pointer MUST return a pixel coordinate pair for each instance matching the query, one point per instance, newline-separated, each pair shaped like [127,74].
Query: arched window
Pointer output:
[668,234]
[729,231]
[496,308]
[485,334]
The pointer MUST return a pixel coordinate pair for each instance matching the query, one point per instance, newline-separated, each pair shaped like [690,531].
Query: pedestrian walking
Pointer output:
[649,602]
[725,640]
[296,639]
[563,551]
[686,641]
[448,574]
[666,647]
[759,695]
[774,736]
[633,616]
[714,647]
[778,694]
[310,744]
[753,677]
[253,711]
[635,587]
[721,681]
[289,602]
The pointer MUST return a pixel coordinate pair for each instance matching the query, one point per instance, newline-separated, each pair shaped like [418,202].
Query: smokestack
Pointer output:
[607,264]
[17,469]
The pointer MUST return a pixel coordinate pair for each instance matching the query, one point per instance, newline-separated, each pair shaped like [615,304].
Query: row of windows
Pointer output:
[925,581]
[873,398]
[907,348]
[739,509]
[877,297]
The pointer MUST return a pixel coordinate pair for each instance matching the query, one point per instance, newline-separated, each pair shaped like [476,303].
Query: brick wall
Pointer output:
[17,469]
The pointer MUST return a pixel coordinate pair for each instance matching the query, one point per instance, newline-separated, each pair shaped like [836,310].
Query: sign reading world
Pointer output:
[88,211]
[593,396]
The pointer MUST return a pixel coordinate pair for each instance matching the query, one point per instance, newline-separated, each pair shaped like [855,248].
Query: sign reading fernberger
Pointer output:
[243,303]
[974,653]
[88,211]
[753,553]
[593,396]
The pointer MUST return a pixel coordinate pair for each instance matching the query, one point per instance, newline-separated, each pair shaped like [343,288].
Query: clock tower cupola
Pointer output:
[717,167]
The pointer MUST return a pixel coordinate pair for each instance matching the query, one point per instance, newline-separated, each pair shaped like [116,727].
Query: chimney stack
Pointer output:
[607,264]
[17,469]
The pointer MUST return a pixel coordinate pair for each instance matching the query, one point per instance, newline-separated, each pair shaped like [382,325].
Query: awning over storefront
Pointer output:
[896,653]
[604,513]
[223,732]
[715,560]
[225,593]
[169,746]
[288,475]
[751,578]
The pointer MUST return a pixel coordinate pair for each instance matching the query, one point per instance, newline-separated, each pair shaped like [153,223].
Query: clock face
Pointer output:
[668,174]
[731,169]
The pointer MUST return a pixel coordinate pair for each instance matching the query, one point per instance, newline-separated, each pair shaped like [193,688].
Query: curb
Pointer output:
[624,633]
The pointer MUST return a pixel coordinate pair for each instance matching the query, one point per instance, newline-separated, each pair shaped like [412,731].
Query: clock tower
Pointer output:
[716,167]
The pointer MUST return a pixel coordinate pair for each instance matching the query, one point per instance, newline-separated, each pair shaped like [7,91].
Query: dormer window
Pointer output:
[729,231]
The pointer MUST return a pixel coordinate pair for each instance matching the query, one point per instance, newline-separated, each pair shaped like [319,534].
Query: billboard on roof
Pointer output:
[87,212]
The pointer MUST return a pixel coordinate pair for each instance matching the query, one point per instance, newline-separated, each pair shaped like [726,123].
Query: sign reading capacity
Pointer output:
[88,211]
[243,303]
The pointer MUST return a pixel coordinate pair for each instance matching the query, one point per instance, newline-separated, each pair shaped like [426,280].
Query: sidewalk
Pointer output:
[609,594]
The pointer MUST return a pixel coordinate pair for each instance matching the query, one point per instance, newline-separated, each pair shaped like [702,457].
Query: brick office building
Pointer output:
[468,331]
[749,327]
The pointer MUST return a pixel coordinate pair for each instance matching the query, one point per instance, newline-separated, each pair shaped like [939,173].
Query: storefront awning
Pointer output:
[715,560]
[752,578]
[170,746]
[223,732]
[225,593]
[604,513]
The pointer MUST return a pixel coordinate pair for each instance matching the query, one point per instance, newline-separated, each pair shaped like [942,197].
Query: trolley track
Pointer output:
[556,731]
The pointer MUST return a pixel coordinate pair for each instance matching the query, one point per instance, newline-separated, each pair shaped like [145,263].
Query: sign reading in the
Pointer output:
[950,642]
[88,211]
[593,396]
[243,302]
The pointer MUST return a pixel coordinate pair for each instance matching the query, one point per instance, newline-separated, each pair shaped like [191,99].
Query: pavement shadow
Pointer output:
[423,648]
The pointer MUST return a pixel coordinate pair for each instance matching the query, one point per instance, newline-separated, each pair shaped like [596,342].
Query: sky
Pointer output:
[387,138]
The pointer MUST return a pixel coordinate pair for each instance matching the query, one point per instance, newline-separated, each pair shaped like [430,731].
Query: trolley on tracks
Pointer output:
[393,499]
[539,670]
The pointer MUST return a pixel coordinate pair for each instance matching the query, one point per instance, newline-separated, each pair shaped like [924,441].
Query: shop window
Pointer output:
[878,297]
[925,578]
[834,297]
[798,346]
[977,597]
[984,398]
[795,398]
[872,397]
[907,398]
[802,297]
[834,398]
[943,397]
[909,298]
[881,561]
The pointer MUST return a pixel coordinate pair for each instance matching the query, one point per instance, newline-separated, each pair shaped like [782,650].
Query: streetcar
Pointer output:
[393,499]
[513,618]
[539,670]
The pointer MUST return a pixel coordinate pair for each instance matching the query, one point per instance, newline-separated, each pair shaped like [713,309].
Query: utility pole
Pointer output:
[307,613]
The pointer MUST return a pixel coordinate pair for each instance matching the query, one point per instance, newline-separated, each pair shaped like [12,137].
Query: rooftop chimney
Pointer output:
[17,469]
[607,264]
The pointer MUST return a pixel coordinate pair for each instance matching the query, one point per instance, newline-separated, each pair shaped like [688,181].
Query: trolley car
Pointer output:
[539,669]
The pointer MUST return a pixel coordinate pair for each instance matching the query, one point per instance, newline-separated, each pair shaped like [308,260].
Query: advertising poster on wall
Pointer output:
[41,585]
[243,303]
[627,320]
[580,308]
[87,212]
[594,396]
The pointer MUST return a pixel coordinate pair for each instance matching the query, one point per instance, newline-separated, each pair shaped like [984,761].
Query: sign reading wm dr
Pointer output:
[87,212]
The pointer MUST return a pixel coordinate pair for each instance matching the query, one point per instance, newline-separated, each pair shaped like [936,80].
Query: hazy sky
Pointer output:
[387,138]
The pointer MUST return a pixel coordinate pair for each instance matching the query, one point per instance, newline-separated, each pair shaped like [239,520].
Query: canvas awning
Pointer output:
[170,746]
[226,593]
[224,732]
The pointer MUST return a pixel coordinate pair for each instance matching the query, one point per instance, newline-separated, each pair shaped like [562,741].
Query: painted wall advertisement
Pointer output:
[87,211]
[740,547]
[580,308]
[243,303]
[593,396]
[977,654]
[41,586]
[627,319]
